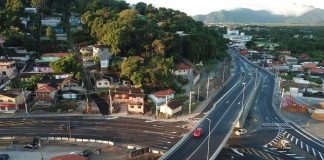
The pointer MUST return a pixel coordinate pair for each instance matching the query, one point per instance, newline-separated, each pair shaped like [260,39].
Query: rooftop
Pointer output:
[183,66]
[163,93]
[55,54]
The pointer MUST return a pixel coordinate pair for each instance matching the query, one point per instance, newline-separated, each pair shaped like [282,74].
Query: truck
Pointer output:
[283,145]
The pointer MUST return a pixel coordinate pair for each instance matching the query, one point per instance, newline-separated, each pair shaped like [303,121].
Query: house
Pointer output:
[103,84]
[136,103]
[51,21]
[183,69]
[42,67]
[86,51]
[71,88]
[70,94]
[160,97]
[285,52]
[103,53]
[244,52]
[317,71]
[11,102]
[309,65]
[304,57]
[31,10]
[70,157]
[46,80]
[291,60]
[46,95]
[75,20]
[171,108]
[8,68]
[50,57]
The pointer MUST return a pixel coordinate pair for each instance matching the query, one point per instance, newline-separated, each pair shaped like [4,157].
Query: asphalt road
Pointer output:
[221,118]
[272,124]
[158,135]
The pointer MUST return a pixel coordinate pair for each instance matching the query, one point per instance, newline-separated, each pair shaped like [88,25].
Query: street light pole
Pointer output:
[26,107]
[208,138]
[208,86]
[190,102]
[224,74]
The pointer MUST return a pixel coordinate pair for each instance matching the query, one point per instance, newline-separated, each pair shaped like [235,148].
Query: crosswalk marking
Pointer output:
[272,124]
[288,136]
[301,145]
[314,152]
[320,154]
[296,142]
[307,148]
[292,138]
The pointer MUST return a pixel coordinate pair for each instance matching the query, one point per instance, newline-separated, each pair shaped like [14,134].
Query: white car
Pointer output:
[240,131]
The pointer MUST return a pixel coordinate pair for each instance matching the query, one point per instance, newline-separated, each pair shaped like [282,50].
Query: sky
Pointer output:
[195,7]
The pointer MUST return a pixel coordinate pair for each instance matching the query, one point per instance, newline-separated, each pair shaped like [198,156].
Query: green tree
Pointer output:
[14,5]
[50,33]
[37,3]
[68,64]
[159,47]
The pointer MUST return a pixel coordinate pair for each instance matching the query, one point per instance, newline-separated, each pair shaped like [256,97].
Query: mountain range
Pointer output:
[314,16]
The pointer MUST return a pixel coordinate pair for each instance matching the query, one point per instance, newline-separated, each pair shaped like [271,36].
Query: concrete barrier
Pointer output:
[51,138]
[99,141]
[78,140]
[65,139]
[92,140]
[85,140]
[44,138]
[57,138]
[130,147]
[110,143]
[72,139]
[155,151]
[105,142]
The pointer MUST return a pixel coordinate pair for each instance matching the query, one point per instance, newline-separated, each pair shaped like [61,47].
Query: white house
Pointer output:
[31,10]
[51,21]
[183,69]
[301,81]
[160,97]
[104,53]
[171,107]
[103,83]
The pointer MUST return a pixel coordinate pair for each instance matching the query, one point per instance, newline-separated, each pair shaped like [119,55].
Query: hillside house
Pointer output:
[8,68]
[160,97]
[46,95]
[11,102]
[183,69]
[171,108]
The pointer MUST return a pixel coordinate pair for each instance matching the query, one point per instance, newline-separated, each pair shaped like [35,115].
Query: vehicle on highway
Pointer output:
[31,146]
[64,126]
[240,131]
[283,145]
[86,153]
[198,132]
[4,156]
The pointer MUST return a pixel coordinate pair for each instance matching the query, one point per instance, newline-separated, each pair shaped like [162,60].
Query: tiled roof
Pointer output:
[163,93]
[317,71]
[183,66]
[46,88]
[54,54]
[100,46]
[174,104]
[11,95]
[310,65]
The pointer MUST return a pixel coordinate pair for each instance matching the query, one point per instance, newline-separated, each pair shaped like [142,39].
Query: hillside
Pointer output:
[244,15]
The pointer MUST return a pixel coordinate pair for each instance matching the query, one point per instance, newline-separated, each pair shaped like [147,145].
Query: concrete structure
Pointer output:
[136,103]
[235,36]
[103,53]
[301,80]
[50,57]
[42,67]
[31,10]
[8,67]
[291,60]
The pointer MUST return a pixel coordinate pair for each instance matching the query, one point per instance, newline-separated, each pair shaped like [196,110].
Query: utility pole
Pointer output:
[110,101]
[26,107]
[198,92]
[208,86]
[190,102]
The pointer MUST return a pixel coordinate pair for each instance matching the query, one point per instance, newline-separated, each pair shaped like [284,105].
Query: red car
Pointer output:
[198,132]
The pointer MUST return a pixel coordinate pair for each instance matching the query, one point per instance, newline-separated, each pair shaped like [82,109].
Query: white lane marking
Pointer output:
[291,154]
[109,118]
[174,132]
[149,121]
[296,142]
[314,152]
[288,136]
[301,145]
[307,148]
[282,151]
[172,137]
[321,155]
[292,138]
[300,157]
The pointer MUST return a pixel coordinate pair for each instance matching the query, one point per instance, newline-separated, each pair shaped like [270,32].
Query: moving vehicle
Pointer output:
[240,131]
[284,145]
[198,132]
[86,153]
[4,156]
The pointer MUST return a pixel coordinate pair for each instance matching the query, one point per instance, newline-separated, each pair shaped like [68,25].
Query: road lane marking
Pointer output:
[301,145]
[291,154]
[320,154]
[292,138]
[300,157]
[282,151]
[314,152]
[307,148]
[296,142]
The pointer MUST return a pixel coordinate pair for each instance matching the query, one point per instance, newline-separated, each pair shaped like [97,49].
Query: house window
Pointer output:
[1,100]
[10,100]
[99,83]
[106,83]
[139,107]
[131,106]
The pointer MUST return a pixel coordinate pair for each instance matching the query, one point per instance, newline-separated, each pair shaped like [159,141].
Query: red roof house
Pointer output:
[46,95]
[160,97]
[183,69]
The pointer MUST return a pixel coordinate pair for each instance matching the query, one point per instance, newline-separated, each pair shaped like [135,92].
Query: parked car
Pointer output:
[198,132]
[240,131]
[86,153]
[4,156]
[30,146]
